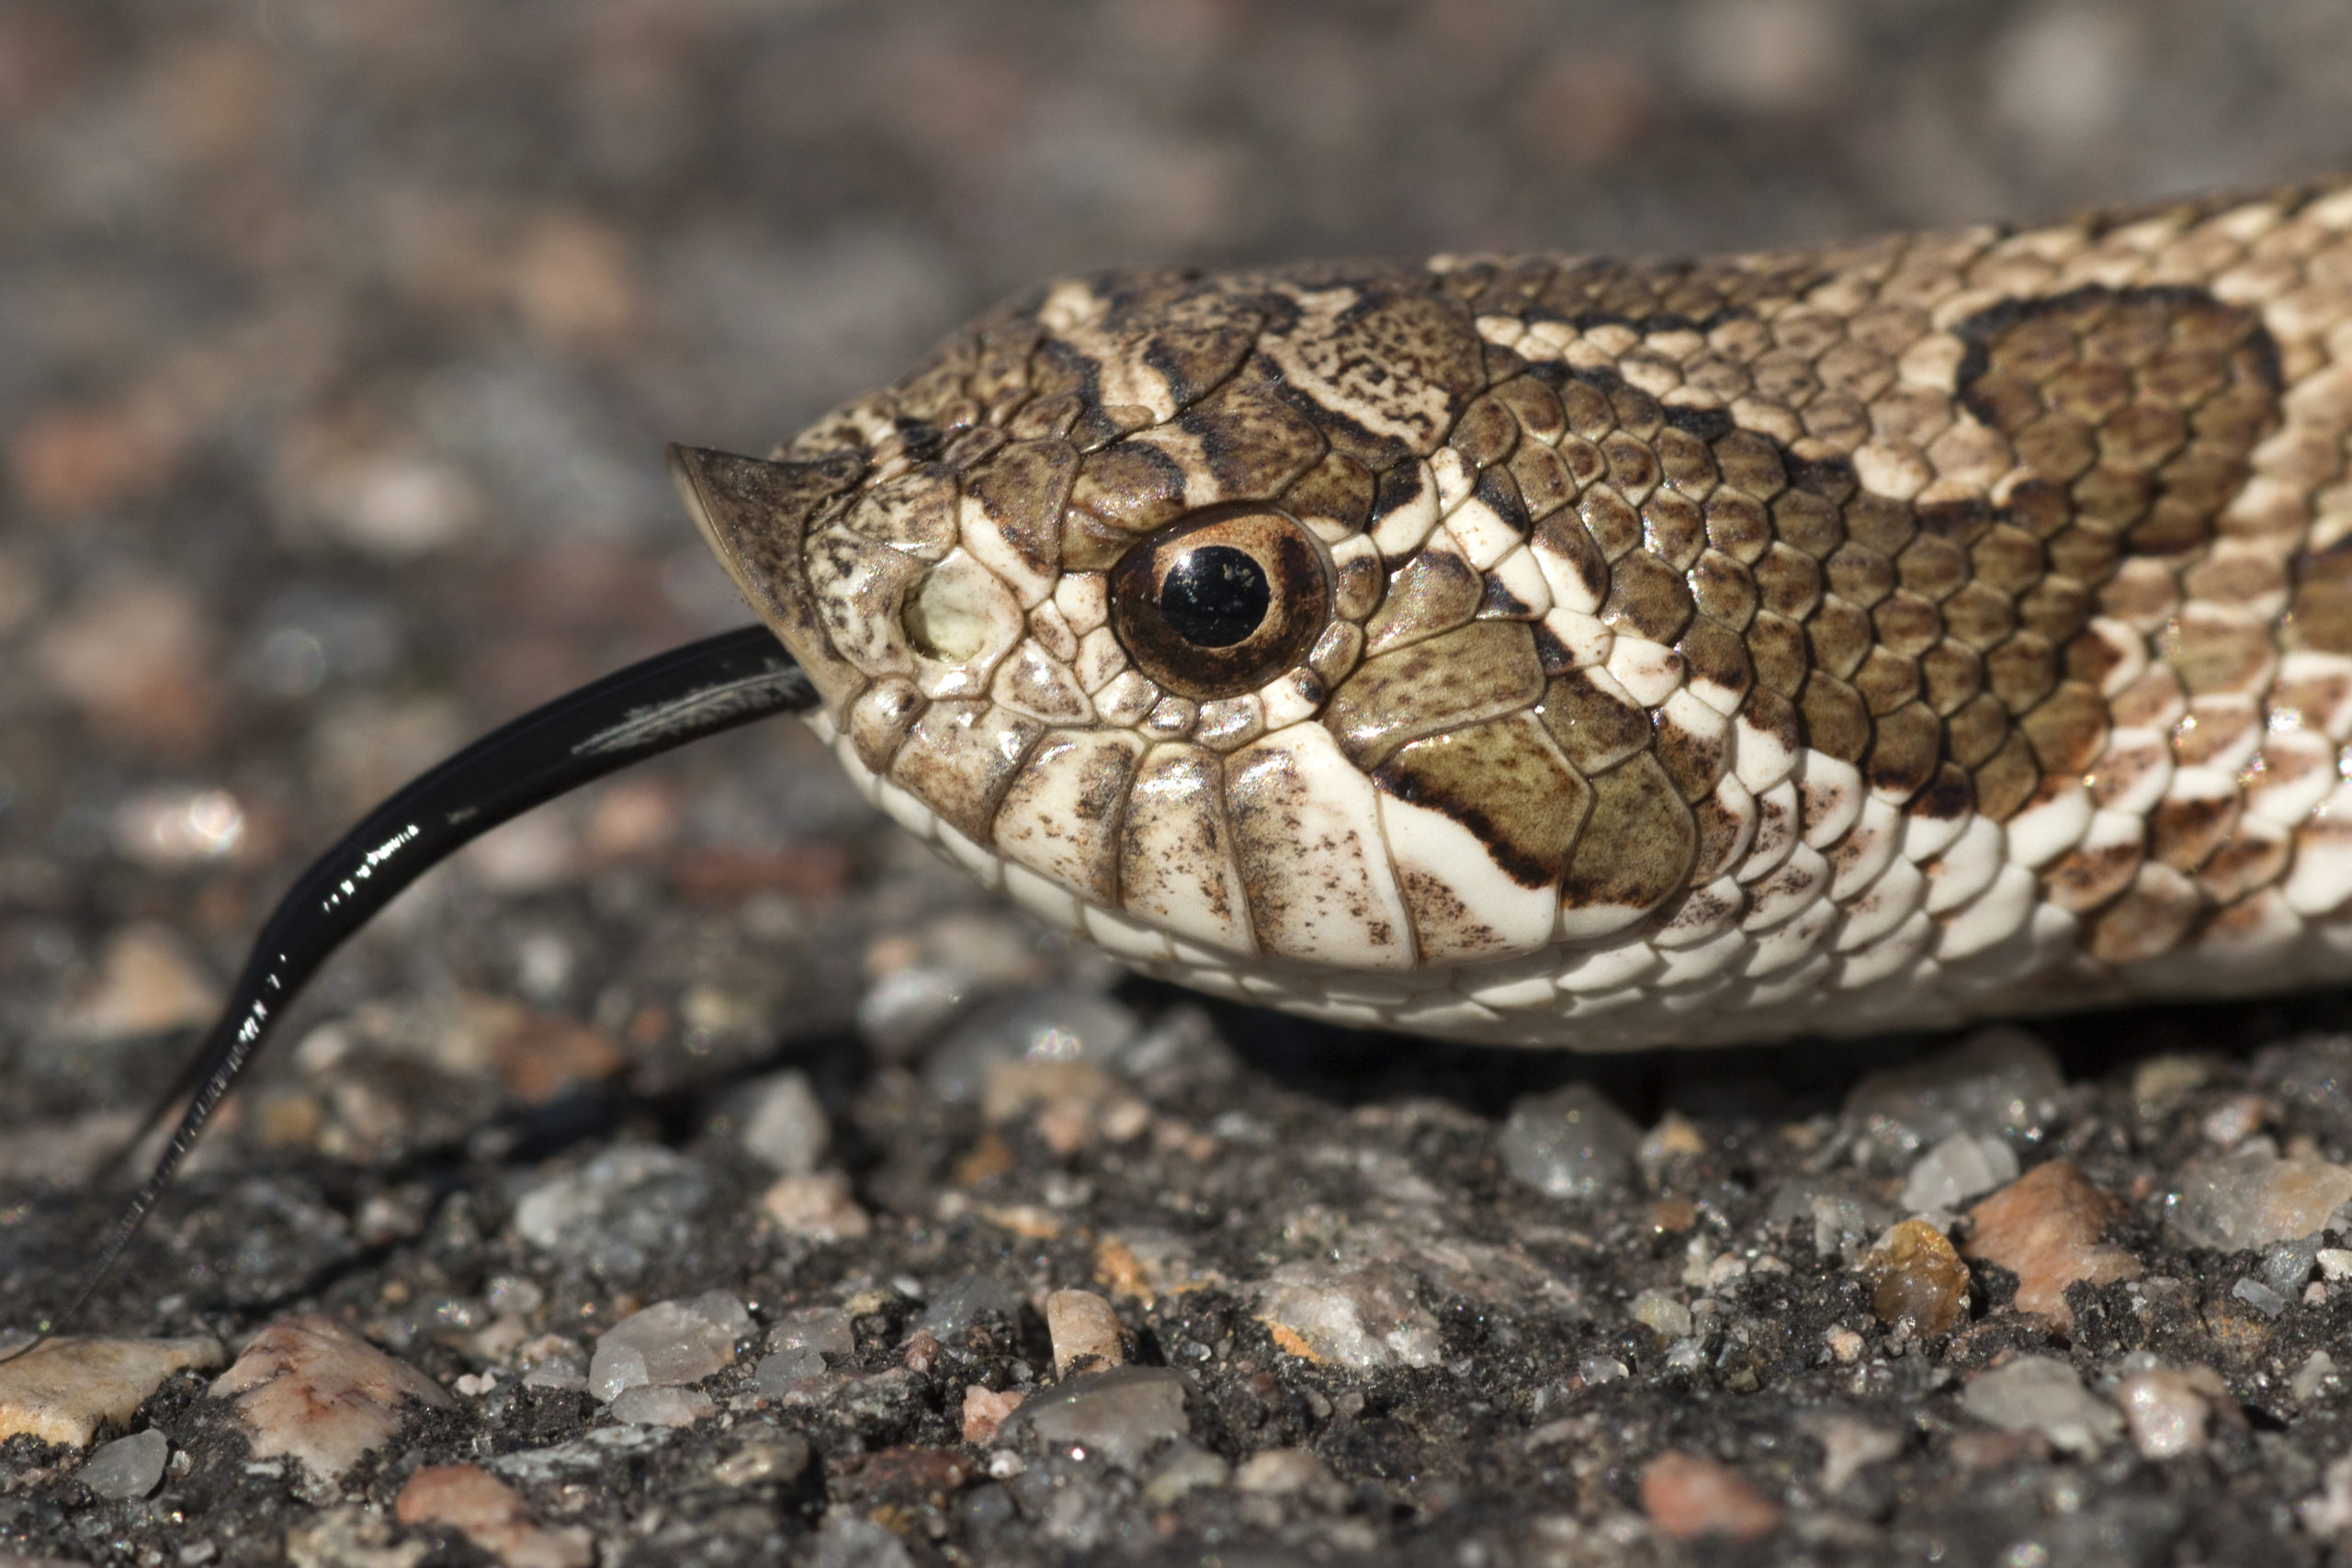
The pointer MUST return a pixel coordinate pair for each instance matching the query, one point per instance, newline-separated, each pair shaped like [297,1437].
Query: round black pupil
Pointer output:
[1214,596]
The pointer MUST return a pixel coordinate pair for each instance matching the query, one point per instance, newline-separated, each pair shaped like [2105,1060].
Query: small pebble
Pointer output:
[2288,1264]
[1075,1104]
[346,1537]
[1917,1282]
[1963,1165]
[1849,1447]
[492,1516]
[1187,1470]
[1117,1417]
[1845,1344]
[2260,1297]
[311,1389]
[1059,1024]
[1999,1083]
[61,1391]
[2041,1394]
[2315,1377]
[1281,1472]
[850,1540]
[618,1211]
[780,1123]
[953,1310]
[818,1207]
[775,1460]
[2045,1227]
[2243,1201]
[146,984]
[2168,1409]
[985,1410]
[2334,1263]
[1571,1143]
[1688,1497]
[662,1406]
[128,1468]
[1361,1318]
[1086,1333]
[668,1343]
[1661,1314]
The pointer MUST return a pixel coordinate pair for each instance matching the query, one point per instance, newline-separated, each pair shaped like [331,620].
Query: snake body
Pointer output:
[1574,651]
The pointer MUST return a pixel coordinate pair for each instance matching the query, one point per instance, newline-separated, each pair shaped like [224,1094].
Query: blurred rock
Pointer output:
[1361,1318]
[1661,1314]
[1571,1143]
[60,1392]
[1077,1104]
[310,1389]
[1961,1167]
[1689,1497]
[1281,1473]
[127,1469]
[135,656]
[2046,1228]
[146,984]
[662,1406]
[616,1212]
[771,1460]
[803,1346]
[669,1342]
[1060,1025]
[352,1536]
[1117,1417]
[2040,1393]
[1999,1083]
[2169,1408]
[779,1123]
[169,830]
[967,1301]
[2239,1202]
[818,1207]
[492,1516]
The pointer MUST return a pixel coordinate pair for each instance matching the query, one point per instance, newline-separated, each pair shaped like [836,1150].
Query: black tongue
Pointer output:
[689,692]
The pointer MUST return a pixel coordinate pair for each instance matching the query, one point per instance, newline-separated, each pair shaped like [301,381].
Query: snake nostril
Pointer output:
[1214,596]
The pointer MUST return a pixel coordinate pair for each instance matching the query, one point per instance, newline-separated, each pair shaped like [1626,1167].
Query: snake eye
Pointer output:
[1216,607]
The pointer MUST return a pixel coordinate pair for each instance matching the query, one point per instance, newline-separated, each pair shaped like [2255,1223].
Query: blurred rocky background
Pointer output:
[338,345]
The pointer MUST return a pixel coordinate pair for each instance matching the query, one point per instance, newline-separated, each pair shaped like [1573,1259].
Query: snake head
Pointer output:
[1466,648]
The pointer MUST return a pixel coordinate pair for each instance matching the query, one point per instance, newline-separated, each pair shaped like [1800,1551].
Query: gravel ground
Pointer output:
[338,343]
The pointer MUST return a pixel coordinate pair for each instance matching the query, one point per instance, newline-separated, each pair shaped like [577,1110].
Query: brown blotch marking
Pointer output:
[1738,525]
[1435,591]
[1544,483]
[1859,574]
[2143,406]
[1907,624]
[1775,716]
[1886,681]
[1336,491]
[2211,727]
[1638,844]
[1633,467]
[1695,762]
[2055,609]
[1683,458]
[1906,747]
[1614,525]
[1788,582]
[1932,567]
[960,757]
[1948,795]
[1839,634]
[915,513]
[1596,728]
[1479,672]
[1251,438]
[1024,490]
[2217,651]
[1673,529]
[2022,671]
[1714,654]
[1485,432]
[1950,674]
[2068,729]
[878,721]
[2183,831]
[2253,856]
[2007,780]
[1499,492]
[1387,378]
[1563,537]
[1187,784]
[1507,783]
[1977,730]
[2148,920]
[2082,879]
[1536,406]
[861,589]
[1836,722]
[1646,597]
[1134,487]
[1776,644]
[1046,419]
[1722,590]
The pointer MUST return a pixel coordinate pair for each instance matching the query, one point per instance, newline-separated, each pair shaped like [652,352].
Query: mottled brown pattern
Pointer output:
[1962,513]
